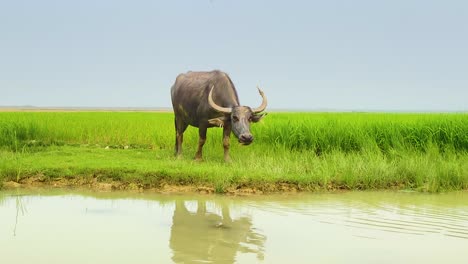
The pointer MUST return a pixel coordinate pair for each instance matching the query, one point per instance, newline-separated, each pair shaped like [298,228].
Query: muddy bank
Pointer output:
[161,186]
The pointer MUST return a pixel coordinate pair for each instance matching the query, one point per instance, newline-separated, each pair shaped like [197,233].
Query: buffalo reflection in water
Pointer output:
[204,236]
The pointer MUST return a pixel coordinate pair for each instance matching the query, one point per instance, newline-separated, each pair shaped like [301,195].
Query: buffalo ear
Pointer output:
[219,121]
[257,117]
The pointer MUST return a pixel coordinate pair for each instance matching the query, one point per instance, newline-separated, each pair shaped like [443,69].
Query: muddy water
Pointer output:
[59,226]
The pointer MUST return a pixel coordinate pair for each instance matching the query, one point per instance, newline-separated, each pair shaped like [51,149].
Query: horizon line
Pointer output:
[13,108]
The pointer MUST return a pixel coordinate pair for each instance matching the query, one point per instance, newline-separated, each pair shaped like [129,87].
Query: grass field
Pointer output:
[301,151]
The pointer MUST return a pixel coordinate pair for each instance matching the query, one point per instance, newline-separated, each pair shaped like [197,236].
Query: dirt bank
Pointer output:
[162,186]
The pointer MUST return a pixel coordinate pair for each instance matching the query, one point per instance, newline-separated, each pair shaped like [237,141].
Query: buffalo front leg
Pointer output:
[178,144]
[226,144]
[180,129]
[201,142]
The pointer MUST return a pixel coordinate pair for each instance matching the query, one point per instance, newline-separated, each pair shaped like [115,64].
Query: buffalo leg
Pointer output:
[180,129]
[226,144]
[201,142]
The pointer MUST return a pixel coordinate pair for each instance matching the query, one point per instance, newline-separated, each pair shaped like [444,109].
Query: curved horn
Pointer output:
[218,108]
[262,107]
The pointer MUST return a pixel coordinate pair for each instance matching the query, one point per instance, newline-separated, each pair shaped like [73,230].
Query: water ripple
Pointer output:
[413,216]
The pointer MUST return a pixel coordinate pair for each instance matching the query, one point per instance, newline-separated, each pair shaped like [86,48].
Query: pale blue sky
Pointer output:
[343,55]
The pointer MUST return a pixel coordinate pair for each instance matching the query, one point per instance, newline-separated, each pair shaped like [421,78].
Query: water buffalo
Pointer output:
[208,99]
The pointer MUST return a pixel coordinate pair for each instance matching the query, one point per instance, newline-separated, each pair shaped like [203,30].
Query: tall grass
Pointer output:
[315,132]
[102,128]
[355,132]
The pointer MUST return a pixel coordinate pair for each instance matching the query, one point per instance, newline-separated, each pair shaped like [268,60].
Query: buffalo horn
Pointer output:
[218,108]
[262,107]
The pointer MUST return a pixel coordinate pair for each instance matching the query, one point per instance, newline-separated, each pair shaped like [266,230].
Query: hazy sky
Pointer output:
[344,55]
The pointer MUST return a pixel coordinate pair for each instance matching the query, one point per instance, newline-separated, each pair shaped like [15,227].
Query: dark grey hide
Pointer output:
[193,106]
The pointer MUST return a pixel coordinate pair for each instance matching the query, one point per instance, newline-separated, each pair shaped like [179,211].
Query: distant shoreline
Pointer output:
[169,110]
[82,109]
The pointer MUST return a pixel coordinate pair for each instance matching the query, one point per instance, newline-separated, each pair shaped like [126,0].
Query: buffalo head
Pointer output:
[238,117]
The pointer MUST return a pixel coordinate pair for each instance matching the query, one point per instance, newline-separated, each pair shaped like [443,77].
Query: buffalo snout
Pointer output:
[246,139]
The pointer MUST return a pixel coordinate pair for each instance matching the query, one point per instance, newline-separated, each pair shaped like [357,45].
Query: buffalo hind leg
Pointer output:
[201,142]
[226,144]
[180,128]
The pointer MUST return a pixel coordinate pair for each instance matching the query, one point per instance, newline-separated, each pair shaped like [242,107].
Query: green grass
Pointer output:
[311,151]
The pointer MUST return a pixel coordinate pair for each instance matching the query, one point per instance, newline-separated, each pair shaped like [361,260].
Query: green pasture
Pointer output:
[312,151]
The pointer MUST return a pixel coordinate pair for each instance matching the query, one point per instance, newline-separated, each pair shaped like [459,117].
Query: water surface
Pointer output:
[58,226]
